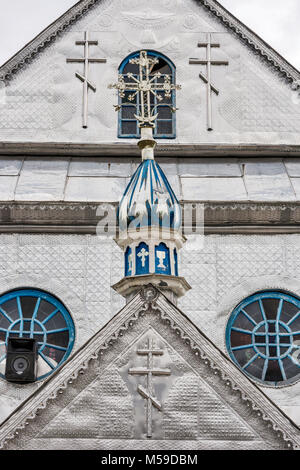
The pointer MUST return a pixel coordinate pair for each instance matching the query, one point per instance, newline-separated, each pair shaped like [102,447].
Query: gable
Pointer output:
[191,409]
[99,398]
[43,98]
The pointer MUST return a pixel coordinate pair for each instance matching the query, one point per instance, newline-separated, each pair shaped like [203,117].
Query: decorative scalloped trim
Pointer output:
[253,206]
[152,307]
[56,29]
[29,52]
[255,42]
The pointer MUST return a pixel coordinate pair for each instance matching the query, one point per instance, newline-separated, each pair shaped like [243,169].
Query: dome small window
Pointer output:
[263,337]
[165,122]
[32,313]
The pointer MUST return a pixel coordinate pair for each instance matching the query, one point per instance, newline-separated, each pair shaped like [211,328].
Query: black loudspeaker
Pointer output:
[21,360]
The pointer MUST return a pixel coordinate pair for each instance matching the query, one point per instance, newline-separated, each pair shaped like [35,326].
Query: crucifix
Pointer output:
[145,84]
[86,60]
[207,79]
[148,393]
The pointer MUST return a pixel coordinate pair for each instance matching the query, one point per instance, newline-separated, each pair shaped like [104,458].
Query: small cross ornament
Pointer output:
[143,255]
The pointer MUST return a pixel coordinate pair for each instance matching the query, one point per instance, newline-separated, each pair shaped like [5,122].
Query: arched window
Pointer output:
[165,123]
[263,337]
[32,313]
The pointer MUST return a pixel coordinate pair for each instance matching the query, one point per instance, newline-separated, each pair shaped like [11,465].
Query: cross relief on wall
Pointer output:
[145,87]
[207,79]
[150,351]
[84,78]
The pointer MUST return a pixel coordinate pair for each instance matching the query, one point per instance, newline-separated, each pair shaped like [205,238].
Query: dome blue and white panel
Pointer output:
[149,200]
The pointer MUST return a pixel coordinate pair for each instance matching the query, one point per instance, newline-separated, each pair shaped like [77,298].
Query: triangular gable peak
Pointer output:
[102,398]
[76,12]
[232,94]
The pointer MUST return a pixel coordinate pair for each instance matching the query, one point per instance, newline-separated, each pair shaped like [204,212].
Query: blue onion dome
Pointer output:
[149,200]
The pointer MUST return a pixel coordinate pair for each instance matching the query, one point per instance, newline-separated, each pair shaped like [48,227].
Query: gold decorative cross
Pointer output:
[145,85]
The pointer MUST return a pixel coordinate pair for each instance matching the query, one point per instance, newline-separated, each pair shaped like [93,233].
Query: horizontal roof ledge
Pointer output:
[126,149]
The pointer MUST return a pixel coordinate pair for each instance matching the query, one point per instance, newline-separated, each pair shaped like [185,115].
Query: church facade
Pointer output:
[149,233]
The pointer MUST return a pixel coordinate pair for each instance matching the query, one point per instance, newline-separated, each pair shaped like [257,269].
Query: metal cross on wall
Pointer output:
[86,60]
[148,393]
[207,79]
[145,85]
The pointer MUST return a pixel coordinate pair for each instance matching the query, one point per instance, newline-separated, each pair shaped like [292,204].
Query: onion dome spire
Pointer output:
[149,213]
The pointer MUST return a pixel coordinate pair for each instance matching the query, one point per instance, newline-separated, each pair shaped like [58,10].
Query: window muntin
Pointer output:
[263,337]
[31,313]
[166,121]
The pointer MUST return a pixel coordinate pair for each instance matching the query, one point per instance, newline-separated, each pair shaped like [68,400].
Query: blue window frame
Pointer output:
[263,337]
[32,313]
[165,126]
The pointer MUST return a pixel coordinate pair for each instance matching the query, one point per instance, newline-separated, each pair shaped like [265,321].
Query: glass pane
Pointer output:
[45,309]
[273,351]
[11,309]
[289,310]
[161,67]
[54,354]
[164,112]
[292,367]
[28,305]
[243,322]
[56,322]
[4,322]
[273,372]
[2,336]
[253,310]
[132,68]
[243,356]
[164,127]
[128,112]
[59,339]
[270,307]
[129,128]
[256,367]
[239,339]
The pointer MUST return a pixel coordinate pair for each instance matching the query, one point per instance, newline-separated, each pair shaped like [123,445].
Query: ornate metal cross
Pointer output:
[145,85]
[149,371]
[207,79]
[85,77]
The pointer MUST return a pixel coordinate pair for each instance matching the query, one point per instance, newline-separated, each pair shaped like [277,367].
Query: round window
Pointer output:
[263,337]
[31,313]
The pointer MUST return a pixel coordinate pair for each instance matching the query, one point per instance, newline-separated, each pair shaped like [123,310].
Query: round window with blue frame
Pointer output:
[263,337]
[165,123]
[32,313]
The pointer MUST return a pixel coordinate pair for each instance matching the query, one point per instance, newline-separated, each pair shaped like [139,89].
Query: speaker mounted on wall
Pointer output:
[21,360]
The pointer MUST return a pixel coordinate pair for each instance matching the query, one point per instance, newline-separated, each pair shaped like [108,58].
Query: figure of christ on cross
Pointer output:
[148,393]
[85,77]
[207,79]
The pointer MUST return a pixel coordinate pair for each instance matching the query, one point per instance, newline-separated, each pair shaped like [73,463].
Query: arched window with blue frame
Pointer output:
[33,313]
[165,126]
[263,337]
